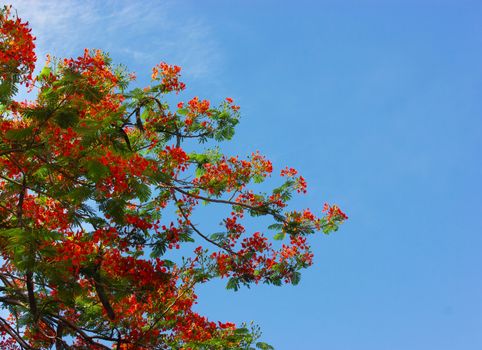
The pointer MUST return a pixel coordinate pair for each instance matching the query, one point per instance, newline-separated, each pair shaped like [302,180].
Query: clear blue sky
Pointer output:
[378,104]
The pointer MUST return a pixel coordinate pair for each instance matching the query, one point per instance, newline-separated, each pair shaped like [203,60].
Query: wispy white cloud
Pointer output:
[141,33]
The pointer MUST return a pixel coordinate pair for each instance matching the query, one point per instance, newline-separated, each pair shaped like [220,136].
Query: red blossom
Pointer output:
[169,76]
[17,47]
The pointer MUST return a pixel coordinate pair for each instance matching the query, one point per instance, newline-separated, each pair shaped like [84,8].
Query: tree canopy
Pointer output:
[97,191]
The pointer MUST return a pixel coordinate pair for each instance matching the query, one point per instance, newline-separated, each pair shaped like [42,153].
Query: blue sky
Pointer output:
[378,104]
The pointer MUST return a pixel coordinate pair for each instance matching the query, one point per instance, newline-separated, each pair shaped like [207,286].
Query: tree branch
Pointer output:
[223,201]
[84,335]
[199,232]
[18,338]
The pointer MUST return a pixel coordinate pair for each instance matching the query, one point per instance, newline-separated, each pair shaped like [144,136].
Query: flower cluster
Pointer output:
[231,173]
[94,67]
[169,76]
[17,55]
[333,213]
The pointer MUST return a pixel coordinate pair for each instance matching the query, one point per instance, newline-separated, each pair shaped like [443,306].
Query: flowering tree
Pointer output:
[97,190]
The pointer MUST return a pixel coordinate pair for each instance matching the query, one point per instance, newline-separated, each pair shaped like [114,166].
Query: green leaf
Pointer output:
[145,114]
[80,193]
[185,236]
[264,346]
[233,283]
[258,178]
[218,236]
[114,208]
[183,111]
[42,171]
[96,170]
[242,330]
[159,249]
[280,236]
[275,227]
[10,233]
[8,87]
[200,171]
[142,191]
[18,134]
[44,73]
[295,278]
[168,263]
[66,118]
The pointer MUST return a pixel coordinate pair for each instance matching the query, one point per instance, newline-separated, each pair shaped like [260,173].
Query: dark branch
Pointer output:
[259,209]
[18,338]
[186,218]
